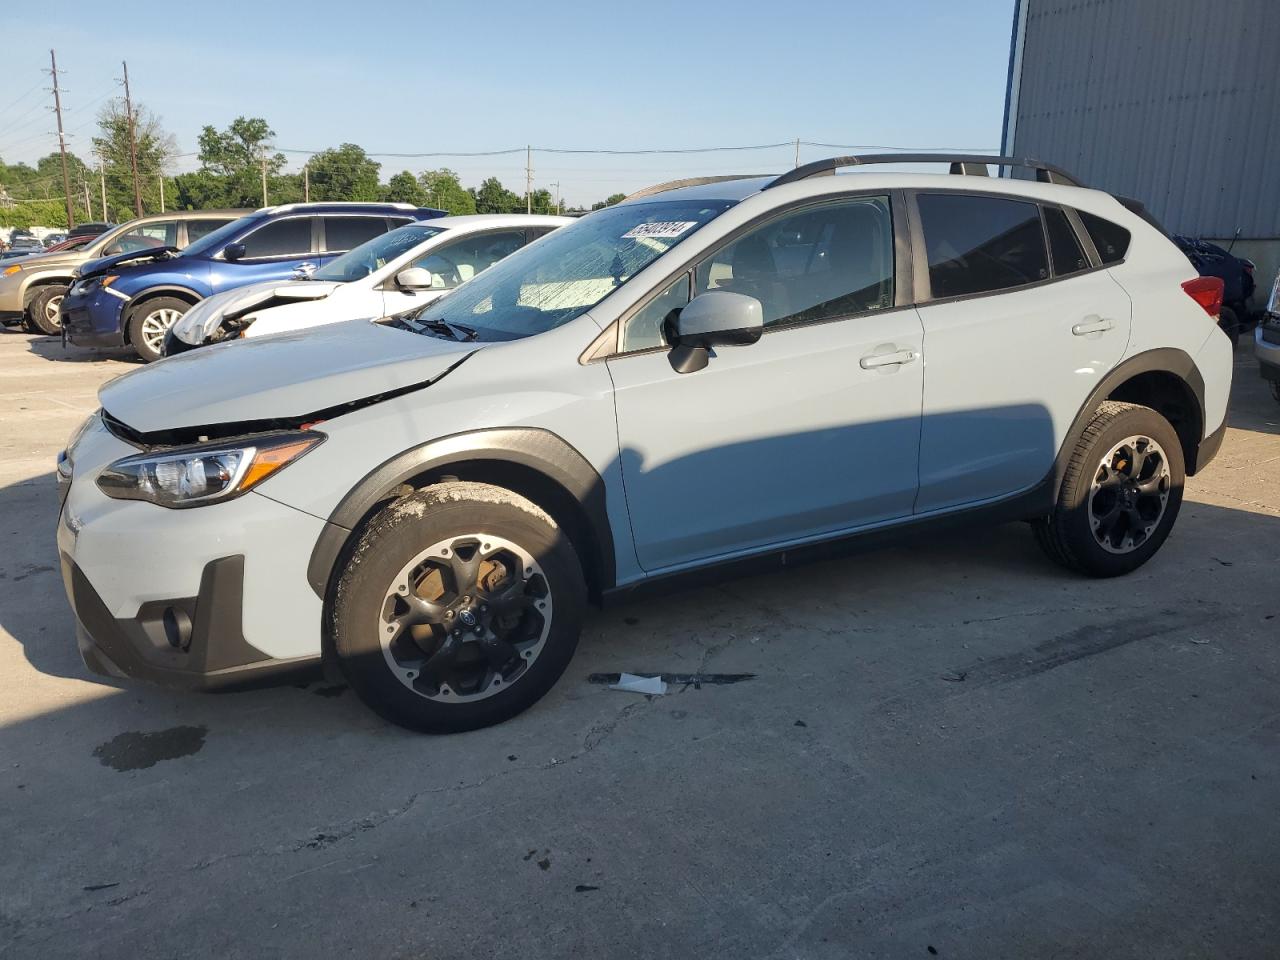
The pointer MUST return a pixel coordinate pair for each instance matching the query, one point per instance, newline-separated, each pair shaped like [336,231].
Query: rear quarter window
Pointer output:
[1110,239]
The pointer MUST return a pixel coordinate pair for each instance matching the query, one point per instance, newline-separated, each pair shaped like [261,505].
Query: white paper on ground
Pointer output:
[633,684]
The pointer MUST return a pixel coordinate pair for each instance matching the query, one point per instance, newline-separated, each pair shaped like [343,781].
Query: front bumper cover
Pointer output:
[189,642]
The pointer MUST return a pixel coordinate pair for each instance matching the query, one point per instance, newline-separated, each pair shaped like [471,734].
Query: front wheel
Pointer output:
[459,608]
[43,314]
[149,323]
[1120,494]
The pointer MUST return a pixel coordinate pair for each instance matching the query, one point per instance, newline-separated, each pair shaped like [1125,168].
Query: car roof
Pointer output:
[475,221]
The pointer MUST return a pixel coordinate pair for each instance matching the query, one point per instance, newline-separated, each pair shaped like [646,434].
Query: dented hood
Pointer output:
[288,376]
[200,322]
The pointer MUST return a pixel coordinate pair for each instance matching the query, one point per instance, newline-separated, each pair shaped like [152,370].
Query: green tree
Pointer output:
[445,192]
[493,197]
[231,162]
[404,188]
[344,173]
[609,201]
[155,148]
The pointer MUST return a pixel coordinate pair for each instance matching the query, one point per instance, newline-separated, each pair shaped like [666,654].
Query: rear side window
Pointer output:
[1111,239]
[283,238]
[201,228]
[1067,255]
[981,244]
[345,233]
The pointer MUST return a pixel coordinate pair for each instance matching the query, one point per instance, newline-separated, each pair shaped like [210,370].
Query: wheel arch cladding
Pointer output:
[535,463]
[1166,380]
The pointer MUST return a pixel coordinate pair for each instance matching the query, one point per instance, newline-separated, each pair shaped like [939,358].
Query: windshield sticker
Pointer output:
[663,228]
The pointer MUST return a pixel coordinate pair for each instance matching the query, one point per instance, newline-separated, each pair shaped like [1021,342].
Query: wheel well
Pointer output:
[34,288]
[1171,397]
[537,487]
[184,295]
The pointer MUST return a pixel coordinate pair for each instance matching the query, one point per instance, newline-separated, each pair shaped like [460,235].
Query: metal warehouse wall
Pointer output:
[1172,102]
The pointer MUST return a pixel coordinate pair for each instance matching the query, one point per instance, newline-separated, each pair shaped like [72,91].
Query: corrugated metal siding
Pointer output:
[1172,102]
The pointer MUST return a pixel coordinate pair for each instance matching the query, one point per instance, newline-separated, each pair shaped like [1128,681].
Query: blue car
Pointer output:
[133,298]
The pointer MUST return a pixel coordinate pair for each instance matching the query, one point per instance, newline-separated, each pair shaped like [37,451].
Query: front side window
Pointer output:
[346,233]
[820,263]
[281,238]
[981,244]
[1067,255]
[457,262]
[196,229]
[376,253]
[565,274]
[1110,239]
[146,237]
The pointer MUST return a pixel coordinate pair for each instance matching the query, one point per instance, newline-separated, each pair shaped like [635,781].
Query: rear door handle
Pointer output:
[898,358]
[1092,325]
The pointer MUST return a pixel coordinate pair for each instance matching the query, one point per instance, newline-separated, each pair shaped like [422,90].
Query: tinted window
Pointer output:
[1111,239]
[279,239]
[817,264]
[146,237]
[1067,255]
[979,244]
[202,228]
[344,233]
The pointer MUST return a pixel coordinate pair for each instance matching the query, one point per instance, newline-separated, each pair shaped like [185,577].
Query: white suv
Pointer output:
[738,370]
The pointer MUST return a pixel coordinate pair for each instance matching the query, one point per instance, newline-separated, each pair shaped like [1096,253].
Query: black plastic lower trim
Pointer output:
[213,653]
[1209,447]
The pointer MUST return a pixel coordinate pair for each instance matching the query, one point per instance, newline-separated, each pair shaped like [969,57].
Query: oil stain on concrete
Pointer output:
[137,751]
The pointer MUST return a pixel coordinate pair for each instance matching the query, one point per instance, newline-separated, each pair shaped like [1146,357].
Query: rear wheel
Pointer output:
[1120,494]
[43,312]
[460,607]
[149,323]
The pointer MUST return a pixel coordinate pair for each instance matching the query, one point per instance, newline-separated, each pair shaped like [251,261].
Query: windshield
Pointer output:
[211,243]
[568,272]
[376,253]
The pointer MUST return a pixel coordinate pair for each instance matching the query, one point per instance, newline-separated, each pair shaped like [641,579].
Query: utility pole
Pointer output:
[133,143]
[528,179]
[102,180]
[557,186]
[88,203]
[306,183]
[160,177]
[62,140]
[264,176]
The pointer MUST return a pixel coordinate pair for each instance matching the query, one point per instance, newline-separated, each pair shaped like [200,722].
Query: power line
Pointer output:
[20,99]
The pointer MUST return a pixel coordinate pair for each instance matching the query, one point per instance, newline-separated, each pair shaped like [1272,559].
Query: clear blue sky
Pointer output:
[465,76]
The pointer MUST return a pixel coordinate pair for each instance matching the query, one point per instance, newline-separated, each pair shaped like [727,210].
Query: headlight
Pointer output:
[206,473]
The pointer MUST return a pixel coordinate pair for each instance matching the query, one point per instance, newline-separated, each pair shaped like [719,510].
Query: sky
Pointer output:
[418,77]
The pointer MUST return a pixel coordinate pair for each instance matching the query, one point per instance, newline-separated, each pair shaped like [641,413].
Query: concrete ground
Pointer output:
[951,748]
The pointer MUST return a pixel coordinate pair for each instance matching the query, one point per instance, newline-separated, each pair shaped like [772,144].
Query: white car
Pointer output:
[390,274]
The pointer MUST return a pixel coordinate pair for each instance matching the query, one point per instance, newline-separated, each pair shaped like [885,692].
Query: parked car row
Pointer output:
[729,372]
[1236,274]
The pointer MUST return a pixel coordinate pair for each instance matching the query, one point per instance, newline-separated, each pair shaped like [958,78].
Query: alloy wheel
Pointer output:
[156,324]
[1129,494]
[51,314]
[465,618]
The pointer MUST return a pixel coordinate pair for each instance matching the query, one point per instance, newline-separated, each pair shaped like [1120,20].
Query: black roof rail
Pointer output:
[690,182]
[964,164]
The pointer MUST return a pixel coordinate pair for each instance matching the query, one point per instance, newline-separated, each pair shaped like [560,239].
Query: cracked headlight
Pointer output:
[204,473]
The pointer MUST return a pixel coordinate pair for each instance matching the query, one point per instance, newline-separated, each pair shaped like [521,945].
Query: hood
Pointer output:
[200,322]
[58,258]
[93,268]
[288,377]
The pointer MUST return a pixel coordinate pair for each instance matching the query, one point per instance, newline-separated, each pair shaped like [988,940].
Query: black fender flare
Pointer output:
[527,448]
[1159,360]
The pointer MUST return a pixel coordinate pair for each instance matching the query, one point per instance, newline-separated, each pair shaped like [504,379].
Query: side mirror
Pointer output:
[233,251]
[414,278]
[715,319]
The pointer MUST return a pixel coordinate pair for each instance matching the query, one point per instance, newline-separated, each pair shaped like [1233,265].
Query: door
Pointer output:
[274,251]
[452,264]
[1016,342]
[811,430]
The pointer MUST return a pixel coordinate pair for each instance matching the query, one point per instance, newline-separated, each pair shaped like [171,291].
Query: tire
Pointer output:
[426,670]
[1132,520]
[150,321]
[42,313]
[1275,389]
[1230,325]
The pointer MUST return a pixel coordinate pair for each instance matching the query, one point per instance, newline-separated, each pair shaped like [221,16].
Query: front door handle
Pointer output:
[897,358]
[1092,324]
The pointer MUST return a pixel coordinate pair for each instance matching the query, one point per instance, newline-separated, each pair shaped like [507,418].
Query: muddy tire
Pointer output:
[1120,494]
[460,607]
[42,313]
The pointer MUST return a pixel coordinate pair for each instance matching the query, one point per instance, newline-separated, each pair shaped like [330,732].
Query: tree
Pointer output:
[404,188]
[493,197]
[155,149]
[609,202]
[541,201]
[231,166]
[344,173]
[445,192]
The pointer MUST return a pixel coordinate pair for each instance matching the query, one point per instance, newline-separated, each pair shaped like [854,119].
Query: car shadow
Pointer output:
[52,348]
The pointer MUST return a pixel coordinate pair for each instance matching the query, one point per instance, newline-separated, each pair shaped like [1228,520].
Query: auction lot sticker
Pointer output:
[663,228]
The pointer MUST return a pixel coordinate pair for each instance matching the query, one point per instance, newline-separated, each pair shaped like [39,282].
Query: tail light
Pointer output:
[1206,291]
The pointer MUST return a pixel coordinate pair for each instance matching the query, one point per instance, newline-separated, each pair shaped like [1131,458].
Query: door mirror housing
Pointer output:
[414,279]
[233,251]
[717,318]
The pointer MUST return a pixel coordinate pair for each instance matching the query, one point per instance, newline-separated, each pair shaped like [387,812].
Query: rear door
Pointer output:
[1020,323]
[343,232]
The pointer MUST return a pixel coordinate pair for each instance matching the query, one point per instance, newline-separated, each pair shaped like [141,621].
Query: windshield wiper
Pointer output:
[457,331]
